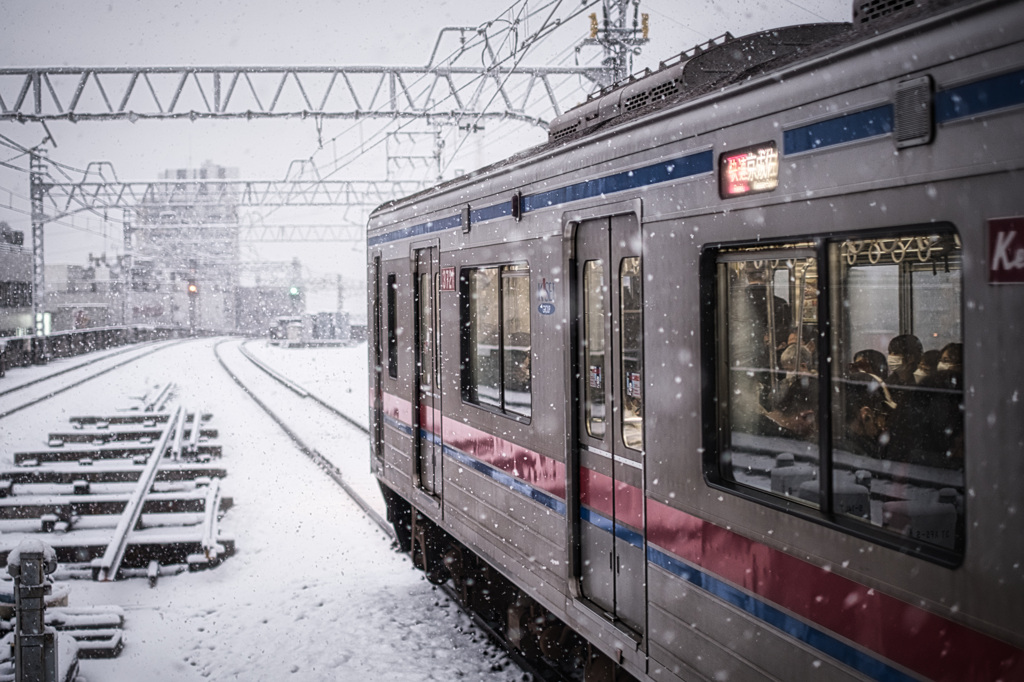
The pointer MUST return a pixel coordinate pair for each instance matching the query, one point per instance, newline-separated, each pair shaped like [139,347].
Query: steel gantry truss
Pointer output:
[437,94]
[63,199]
[443,91]
[446,90]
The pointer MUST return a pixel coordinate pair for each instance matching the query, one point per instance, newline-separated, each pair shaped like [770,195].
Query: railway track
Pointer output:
[360,495]
[282,400]
[300,393]
[16,398]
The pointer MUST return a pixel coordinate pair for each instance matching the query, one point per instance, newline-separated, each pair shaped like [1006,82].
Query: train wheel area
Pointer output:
[549,648]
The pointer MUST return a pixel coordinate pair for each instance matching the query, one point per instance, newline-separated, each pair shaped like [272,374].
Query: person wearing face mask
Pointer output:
[926,368]
[905,353]
[949,370]
[927,426]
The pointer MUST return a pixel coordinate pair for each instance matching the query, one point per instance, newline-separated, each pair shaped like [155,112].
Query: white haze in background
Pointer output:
[312,32]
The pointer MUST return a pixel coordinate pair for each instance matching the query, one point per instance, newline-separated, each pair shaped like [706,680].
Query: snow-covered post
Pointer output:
[35,646]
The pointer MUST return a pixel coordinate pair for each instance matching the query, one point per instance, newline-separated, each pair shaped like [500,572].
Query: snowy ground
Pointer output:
[315,591]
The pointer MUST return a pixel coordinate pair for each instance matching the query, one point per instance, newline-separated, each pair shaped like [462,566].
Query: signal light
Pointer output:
[294,292]
[193,289]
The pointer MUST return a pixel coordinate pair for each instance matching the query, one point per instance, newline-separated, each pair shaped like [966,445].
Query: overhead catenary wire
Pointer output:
[541,33]
[379,137]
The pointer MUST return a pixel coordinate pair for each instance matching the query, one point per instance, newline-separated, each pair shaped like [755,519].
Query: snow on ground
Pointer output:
[315,591]
[336,375]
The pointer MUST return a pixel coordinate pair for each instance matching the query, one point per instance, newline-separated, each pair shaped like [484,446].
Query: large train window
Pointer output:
[496,338]
[858,422]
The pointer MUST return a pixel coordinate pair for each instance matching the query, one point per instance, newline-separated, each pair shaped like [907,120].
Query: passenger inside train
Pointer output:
[892,401]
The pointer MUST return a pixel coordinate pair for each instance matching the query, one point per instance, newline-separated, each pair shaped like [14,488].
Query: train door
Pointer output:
[610,398]
[428,398]
[376,315]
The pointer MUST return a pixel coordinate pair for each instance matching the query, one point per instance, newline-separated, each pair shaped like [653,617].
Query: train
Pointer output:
[724,380]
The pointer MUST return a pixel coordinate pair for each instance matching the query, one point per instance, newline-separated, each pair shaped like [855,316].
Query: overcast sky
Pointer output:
[309,32]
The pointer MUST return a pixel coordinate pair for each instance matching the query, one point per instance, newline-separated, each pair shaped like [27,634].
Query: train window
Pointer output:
[426,332]
[880,415]
[515,317]
[594,320]
[897,385]
[632,344]
[392,313]
[769,349]
[496,368]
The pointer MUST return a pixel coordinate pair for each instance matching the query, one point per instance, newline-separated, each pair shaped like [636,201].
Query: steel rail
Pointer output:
[75,384]
[105,568]
[119,351]
[211,548]
[299,390]
[546,674]
[328,467]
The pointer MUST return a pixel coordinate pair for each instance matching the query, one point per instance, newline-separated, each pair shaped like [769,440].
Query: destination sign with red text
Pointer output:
[749,170]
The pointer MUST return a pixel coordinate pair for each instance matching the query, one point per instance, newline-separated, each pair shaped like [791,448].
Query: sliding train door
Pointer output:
[427,412]
[376,317]
[610,395]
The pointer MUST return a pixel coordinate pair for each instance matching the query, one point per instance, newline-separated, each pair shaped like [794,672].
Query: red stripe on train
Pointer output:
[596,493]
[924,642]
[540,471]
[397,408]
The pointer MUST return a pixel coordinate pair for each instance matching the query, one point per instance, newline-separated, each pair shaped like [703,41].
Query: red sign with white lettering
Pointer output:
[447,279]
[1006,251]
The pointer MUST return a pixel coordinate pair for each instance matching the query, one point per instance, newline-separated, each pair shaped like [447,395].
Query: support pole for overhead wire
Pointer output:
[37,192]
[104,569]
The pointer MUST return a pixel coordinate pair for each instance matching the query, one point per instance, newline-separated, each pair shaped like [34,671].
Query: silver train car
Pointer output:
[725,381]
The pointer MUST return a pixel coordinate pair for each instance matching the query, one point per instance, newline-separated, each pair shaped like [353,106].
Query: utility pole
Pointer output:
[126,269]
[37,192]
[620,31]
[193,297]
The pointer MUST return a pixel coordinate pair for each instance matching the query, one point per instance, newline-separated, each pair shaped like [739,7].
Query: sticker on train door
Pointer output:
[546,297]
[633,385]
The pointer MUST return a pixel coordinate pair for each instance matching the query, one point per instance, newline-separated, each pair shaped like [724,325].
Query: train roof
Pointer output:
[714,66]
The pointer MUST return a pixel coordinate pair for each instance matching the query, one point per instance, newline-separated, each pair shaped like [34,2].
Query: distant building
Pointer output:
[186,235]
[15,283]
[85,296]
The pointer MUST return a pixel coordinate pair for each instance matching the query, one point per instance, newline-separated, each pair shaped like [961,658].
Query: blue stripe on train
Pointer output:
[847,128]
[990,94]
[664,171]
[818,639]
[493,473]
[417,230]
[693,164]
[980,97]
[810,635]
